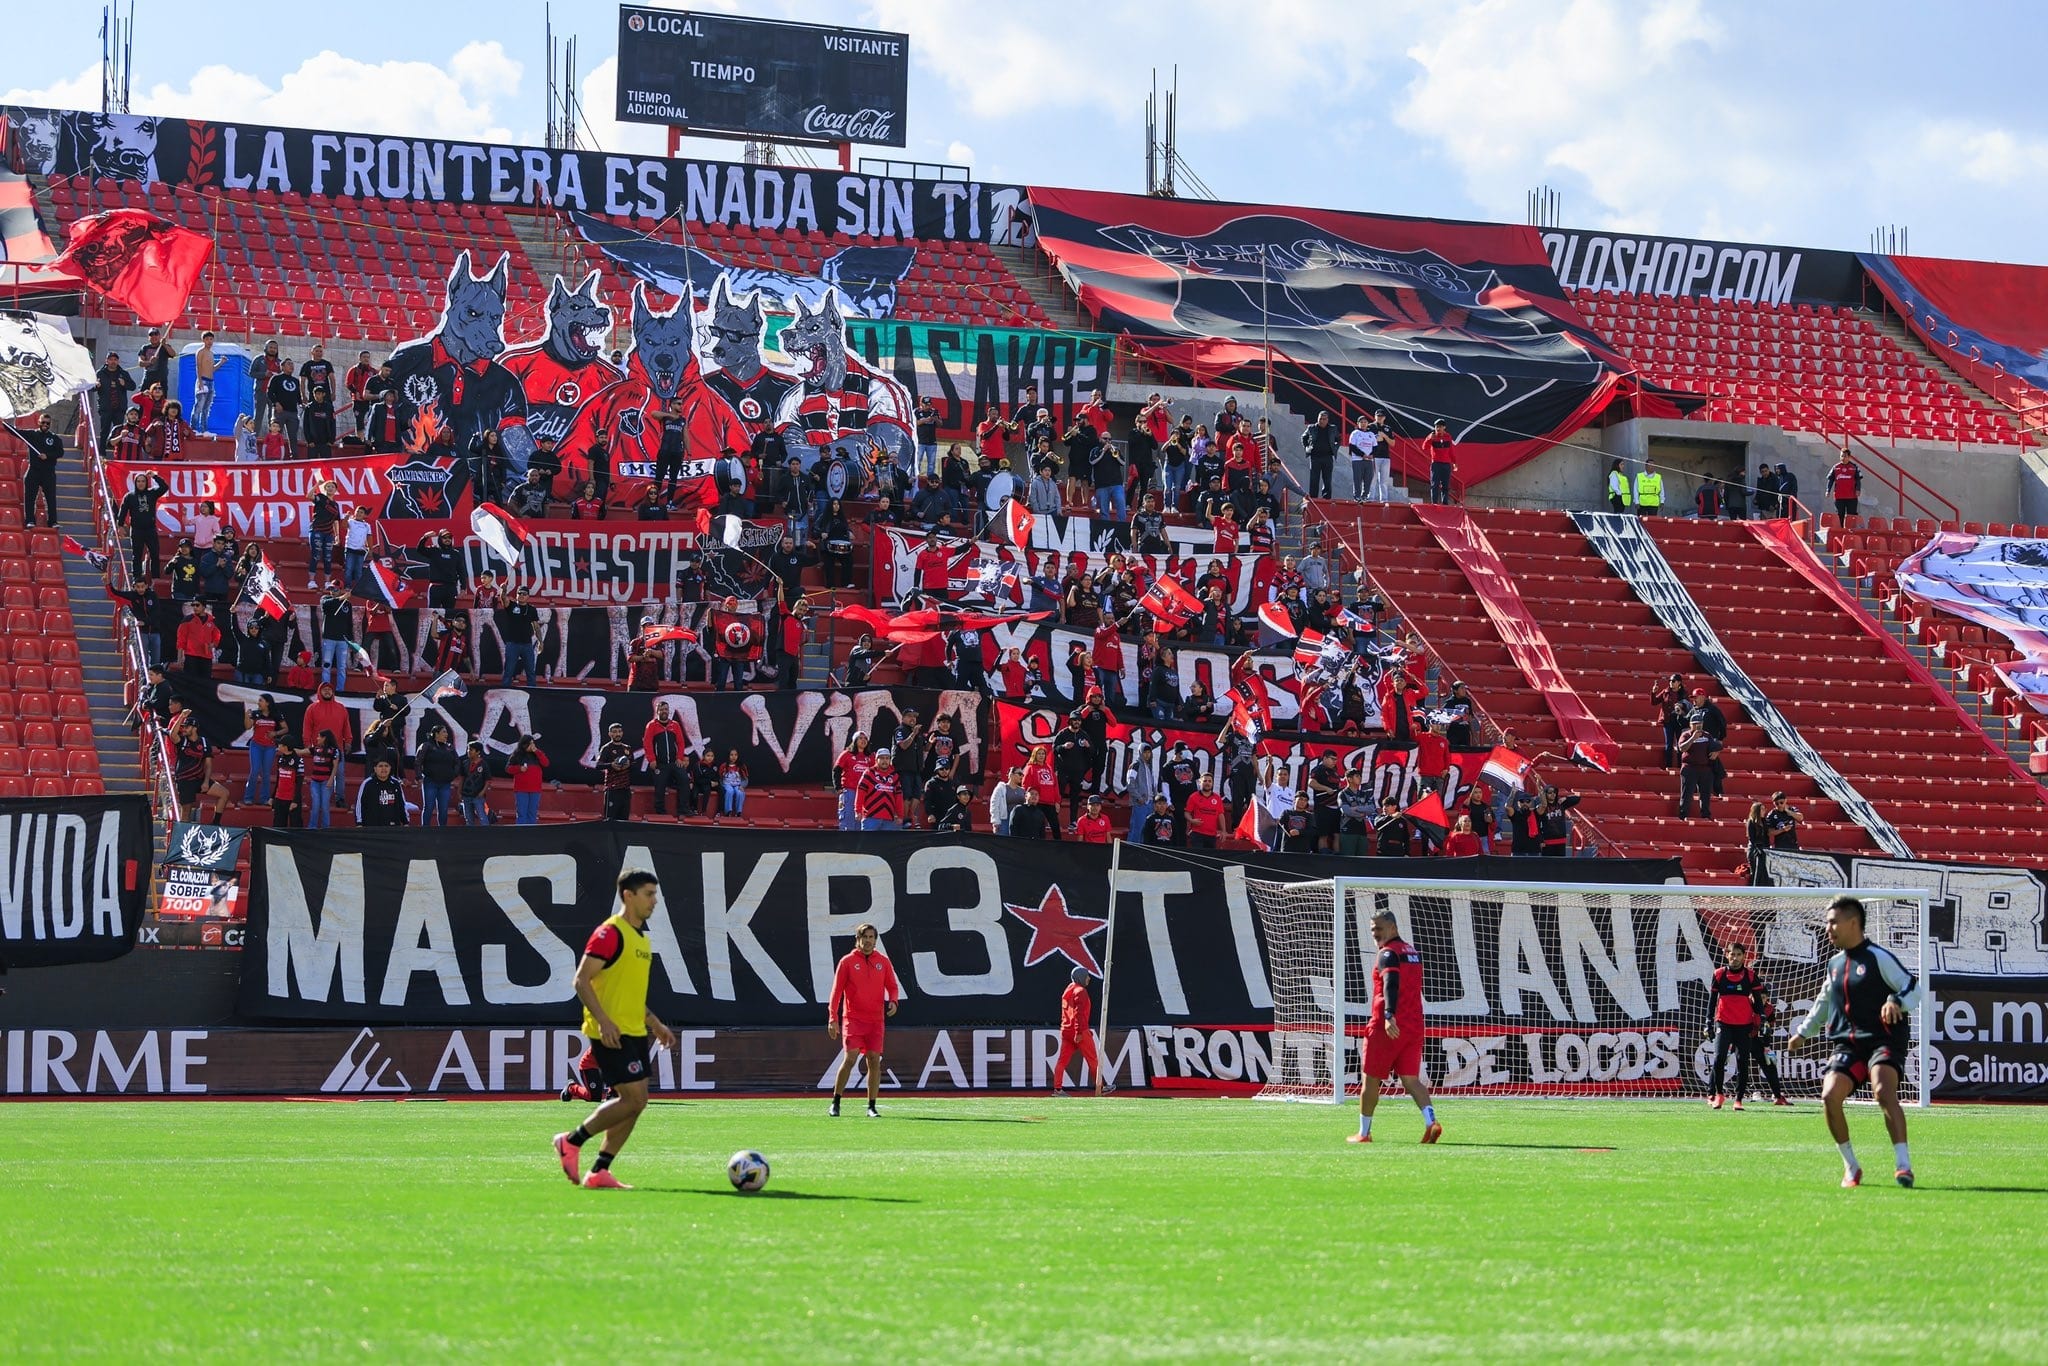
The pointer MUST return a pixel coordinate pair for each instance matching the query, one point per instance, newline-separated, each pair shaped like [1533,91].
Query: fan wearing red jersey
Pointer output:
[1075,1036]
[864,993]
[1393,1036]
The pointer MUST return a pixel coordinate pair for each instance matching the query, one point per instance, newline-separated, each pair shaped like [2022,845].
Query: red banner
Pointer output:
[268,500]
[1464,541]
[991,572]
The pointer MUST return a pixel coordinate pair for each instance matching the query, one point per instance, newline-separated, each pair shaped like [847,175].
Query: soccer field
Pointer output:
[962,1230]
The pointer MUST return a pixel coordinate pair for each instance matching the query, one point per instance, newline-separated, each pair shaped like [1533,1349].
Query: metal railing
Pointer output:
[153,746]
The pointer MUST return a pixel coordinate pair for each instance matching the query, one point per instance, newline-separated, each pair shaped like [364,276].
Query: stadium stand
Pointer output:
[1949,789]
[1802,367]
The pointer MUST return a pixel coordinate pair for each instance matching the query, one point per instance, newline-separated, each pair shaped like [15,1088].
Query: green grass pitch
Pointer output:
[971,1230]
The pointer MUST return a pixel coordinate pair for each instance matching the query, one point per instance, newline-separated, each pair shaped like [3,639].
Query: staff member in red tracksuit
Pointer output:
[1075,1036]
[1734,990]
[864,993]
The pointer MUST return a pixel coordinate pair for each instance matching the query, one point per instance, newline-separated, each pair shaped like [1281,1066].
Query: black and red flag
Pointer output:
[263,589]
[146,264]
[1461,321]
[1171,605]
[735,634]
[1251,714]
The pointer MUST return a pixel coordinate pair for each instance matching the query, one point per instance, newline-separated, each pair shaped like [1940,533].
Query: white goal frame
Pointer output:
[1342,1009]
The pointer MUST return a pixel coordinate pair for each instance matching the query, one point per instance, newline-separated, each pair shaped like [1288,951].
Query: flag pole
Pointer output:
[1116,863]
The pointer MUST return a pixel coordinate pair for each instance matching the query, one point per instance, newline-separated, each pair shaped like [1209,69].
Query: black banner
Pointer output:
[487,925]
[74,877]
[241,157]
[1745,272]
[718,73]
[784,738]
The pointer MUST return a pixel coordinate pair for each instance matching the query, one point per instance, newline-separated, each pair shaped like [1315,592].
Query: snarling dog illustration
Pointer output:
[455,371]
[27,379]
[663,387]
[108,146]
[731,331]
[566,367]
[841,409]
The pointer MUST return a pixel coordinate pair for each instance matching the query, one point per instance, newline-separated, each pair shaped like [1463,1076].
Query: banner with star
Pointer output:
[413,926]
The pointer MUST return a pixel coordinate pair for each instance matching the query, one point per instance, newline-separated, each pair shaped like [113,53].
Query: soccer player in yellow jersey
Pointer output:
[611,981]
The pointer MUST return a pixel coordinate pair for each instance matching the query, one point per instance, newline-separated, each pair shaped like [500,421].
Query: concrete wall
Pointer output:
[1986,483]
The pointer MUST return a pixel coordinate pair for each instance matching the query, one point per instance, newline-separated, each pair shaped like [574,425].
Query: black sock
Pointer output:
[603,1163]
[579,1136]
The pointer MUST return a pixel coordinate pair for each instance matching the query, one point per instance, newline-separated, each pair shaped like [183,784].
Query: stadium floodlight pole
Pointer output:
[1926,1020]
[1116,864]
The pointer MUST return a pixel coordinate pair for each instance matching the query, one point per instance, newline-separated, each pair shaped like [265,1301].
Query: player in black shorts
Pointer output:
[1865,1010]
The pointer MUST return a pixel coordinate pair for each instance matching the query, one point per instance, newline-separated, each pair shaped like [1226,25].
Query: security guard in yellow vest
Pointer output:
[1620,494]
[1649,492]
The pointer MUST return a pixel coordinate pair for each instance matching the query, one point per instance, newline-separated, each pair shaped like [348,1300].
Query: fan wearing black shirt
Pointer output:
[1782,821]
[1298,827]
[1160,826]
[45,449]
[380,801]
[1390,832]
[284,395]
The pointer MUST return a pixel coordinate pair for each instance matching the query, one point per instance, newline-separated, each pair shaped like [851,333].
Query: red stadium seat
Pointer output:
[63,650]
[77,735]
[10,735]
[25,649]
[67,678]
[81,763]
[33,705]
[90,786]
[31,678]
[49,785]
[39,735]
[72,706]
[13,763]
[13,787]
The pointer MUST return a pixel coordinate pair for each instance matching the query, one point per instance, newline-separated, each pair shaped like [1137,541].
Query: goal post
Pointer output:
[1564,989]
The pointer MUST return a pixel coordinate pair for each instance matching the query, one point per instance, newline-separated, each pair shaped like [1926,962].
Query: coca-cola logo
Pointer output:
[860,125]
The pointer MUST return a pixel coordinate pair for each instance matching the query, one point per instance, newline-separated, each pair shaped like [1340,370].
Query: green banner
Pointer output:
[969,371]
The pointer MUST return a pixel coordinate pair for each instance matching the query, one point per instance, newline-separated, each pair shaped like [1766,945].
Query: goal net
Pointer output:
[1548,989]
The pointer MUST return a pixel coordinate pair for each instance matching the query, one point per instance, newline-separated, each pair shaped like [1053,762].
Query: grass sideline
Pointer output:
[1023,1229]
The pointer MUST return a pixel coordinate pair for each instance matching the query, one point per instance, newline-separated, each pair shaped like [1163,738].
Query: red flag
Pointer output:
[1250,713]
[1505,767]
[1248,825]
[1275,618]
[1428,812]
[1171,605]
[737,636]
[96,558]
[1591,756]
[1015,521]
[386,584]
[144,263]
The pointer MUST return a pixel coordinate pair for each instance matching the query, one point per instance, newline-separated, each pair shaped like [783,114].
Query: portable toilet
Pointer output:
[233,394]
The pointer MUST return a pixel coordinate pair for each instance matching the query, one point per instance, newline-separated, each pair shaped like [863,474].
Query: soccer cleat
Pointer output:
[1781,1101]
[1358,1138]
[873,1113]
[834,1111]
[604,1181]
[1904,1176]
[1432,1133]
[1738,1103]
[1060,1091]
[1853,1177]
[1714,1103]
[571,1157]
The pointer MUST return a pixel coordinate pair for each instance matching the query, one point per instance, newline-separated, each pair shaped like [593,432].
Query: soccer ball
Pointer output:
[748,1171]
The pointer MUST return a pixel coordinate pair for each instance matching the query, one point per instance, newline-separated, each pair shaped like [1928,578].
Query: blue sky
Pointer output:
[1801,123]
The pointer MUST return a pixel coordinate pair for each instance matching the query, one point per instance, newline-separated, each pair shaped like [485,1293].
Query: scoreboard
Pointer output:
[717,74]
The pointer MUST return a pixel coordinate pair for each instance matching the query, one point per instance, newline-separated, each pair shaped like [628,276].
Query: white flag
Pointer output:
[39,364]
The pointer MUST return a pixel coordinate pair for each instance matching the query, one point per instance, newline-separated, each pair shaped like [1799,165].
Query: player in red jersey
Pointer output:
[1075,1036]
[1393,1036]
[864,993]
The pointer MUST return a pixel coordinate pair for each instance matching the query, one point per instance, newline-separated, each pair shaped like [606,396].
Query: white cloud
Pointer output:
[959,154]
[460,99]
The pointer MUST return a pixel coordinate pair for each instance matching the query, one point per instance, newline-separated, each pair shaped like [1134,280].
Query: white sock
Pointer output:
[1905,1162]
[1429,1114]
[1365,1126]
[1849,1157]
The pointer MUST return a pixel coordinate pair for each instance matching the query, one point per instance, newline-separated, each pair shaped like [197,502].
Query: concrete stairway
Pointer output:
[99,650]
